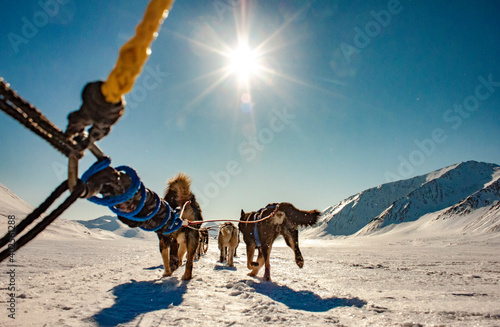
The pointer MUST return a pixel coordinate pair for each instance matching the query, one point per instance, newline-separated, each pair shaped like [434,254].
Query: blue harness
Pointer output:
[257,216]
[171,217]
[255,232]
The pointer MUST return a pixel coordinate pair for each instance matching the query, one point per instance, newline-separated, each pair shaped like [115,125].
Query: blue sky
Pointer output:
[351,95]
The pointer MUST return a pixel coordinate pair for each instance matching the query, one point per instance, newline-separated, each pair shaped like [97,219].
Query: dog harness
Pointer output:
[258,216]
[255,232]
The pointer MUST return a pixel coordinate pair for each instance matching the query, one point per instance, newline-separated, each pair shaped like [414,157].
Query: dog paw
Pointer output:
[300,263]
[252,274]
[186,277]
[167,274]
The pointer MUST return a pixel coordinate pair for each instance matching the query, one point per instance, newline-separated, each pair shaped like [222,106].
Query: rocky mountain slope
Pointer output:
[464,187]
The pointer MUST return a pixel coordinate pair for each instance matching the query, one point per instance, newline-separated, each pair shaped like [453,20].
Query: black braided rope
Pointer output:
[30,235]
[37,212]
[31,118]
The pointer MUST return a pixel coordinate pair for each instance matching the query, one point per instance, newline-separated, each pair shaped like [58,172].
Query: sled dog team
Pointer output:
[272,221]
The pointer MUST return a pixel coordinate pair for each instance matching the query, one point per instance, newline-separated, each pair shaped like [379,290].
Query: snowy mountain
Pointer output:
[464,188]
[485,204]
[11,204]
[468,192]
[112,224]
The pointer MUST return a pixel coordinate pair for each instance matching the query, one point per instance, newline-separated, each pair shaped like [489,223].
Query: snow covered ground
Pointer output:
[440,270]
[382,280]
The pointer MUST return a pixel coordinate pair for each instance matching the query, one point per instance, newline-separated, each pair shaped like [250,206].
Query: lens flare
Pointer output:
[246,103]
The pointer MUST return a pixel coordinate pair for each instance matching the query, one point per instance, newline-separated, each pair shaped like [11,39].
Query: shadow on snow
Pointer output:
[136,298]
[154,267]
[219,267]
[304,300]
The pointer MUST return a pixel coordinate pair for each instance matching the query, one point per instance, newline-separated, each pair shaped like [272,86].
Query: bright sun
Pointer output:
[243,62]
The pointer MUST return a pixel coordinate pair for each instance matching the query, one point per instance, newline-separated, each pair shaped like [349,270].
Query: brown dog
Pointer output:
[261,235]
[228,242]
[203,243]
[173,246]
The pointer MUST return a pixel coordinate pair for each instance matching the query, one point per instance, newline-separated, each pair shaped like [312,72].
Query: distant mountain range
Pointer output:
[106,227]
[462,198]
[112,224]
[459,190]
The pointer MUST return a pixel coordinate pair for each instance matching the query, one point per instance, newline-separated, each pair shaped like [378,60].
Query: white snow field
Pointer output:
[76,279]
[439,267]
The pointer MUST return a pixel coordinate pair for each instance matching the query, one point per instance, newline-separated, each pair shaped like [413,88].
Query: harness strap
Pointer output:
[258,217]
[255,231]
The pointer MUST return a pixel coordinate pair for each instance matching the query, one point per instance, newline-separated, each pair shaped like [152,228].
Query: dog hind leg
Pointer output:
[255,266]
[230,254]
[205,245]
[292,240]
[266,254]
[182,249]
[222,253]
[197,255]
[250,253]
[165,255]
[192,244]
[174,255]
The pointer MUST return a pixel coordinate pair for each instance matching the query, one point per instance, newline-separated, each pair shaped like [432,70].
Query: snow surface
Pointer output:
[440,270]
[365,281]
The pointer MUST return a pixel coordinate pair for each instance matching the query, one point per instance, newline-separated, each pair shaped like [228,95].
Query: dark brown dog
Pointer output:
[203,243]
[285,222]
[173,246]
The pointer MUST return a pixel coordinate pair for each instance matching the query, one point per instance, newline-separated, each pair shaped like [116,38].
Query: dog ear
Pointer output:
[242,213]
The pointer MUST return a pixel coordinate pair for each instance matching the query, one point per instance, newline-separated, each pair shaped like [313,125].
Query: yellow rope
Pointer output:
[135,52]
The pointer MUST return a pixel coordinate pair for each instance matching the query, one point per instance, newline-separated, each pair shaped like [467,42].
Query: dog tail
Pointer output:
[297,216]
[180,187]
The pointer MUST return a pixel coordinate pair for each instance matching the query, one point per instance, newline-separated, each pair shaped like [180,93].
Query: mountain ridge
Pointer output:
[11,204]
[468,192]
[112,224]
[408,200]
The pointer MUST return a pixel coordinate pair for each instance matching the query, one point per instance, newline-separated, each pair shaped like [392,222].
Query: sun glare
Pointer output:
[243,66]
[243,62]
